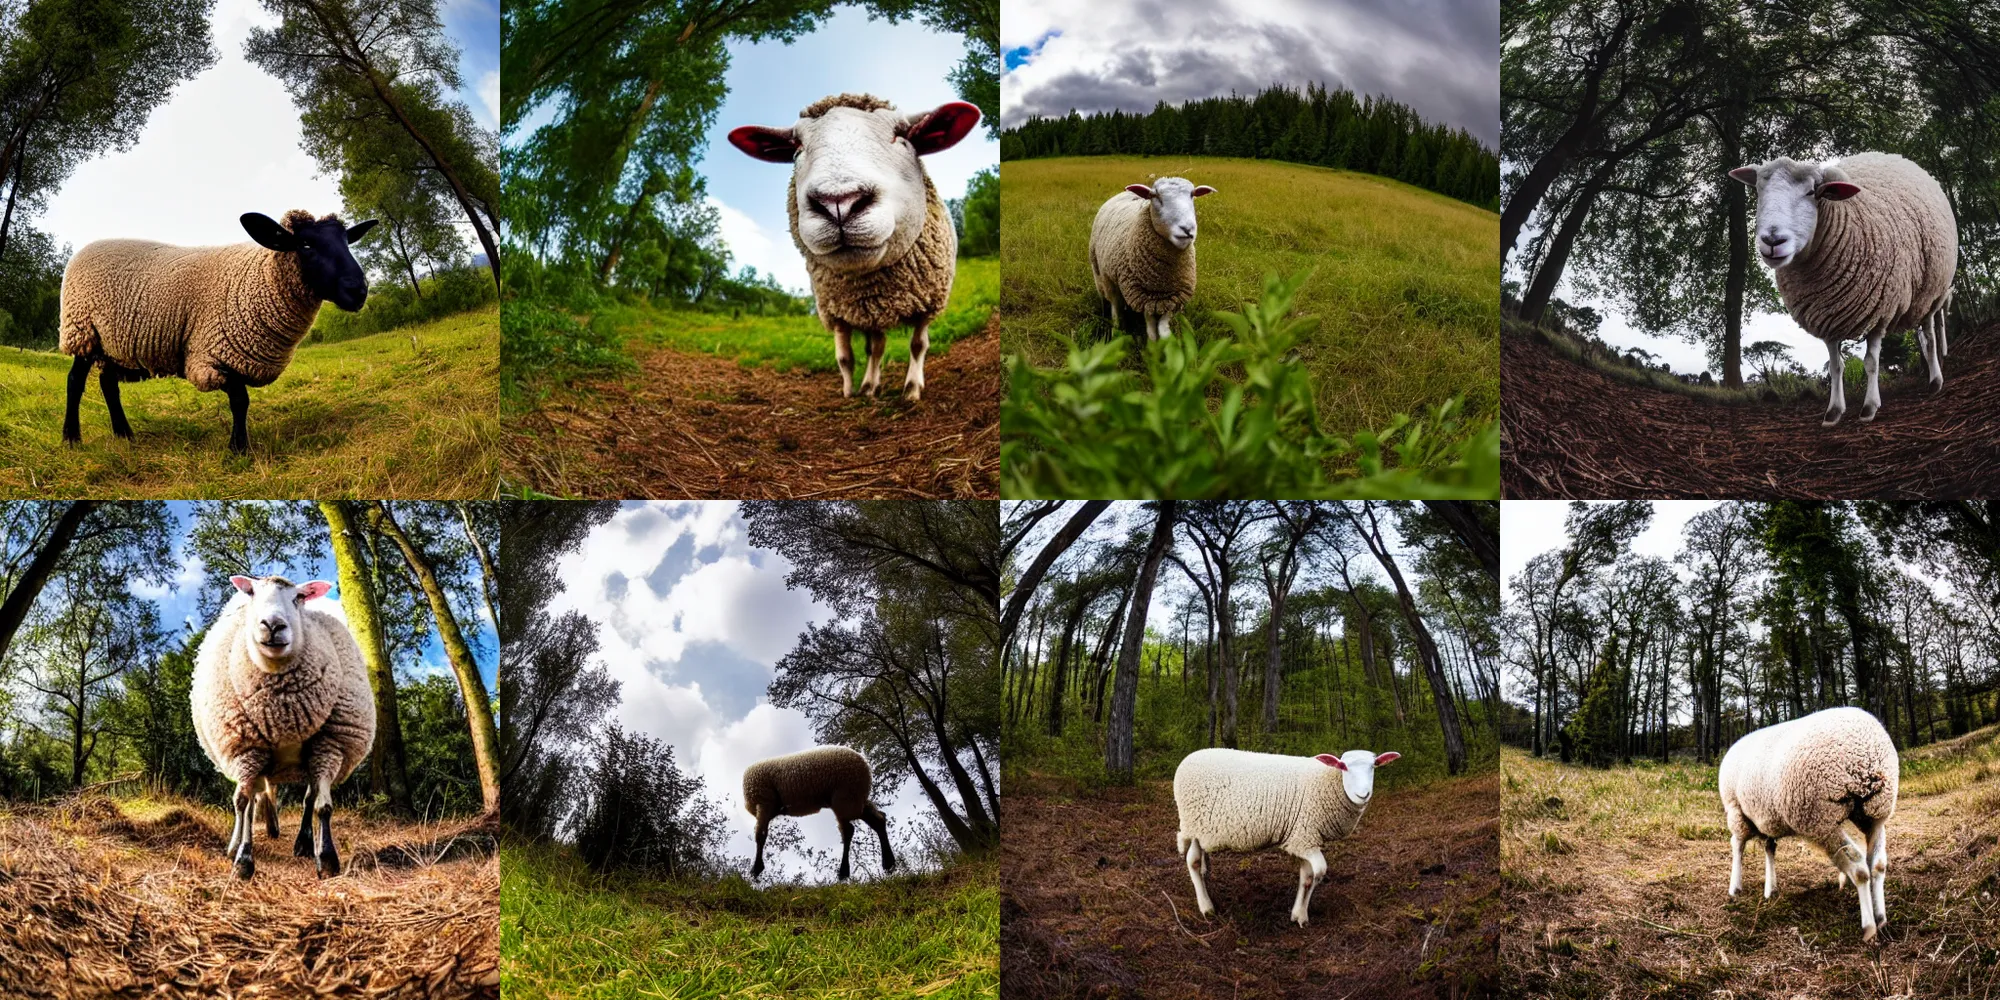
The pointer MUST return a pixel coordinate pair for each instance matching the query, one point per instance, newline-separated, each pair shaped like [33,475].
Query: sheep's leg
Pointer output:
[248,770]
[1197,865]
[1166,325]
[325,765]
[880,824]
[1735,862]
[1871,362]
[267,802]
[872,380]
[1852,861]
[1930,336]
[302,845]
[107,382]
[843,355]
[1836,388]
[763,826]
[239,416]
[846,845]
[1117,321]
[79,378]
[920,345]
[1878,863]
[1770,867]
[1312,869]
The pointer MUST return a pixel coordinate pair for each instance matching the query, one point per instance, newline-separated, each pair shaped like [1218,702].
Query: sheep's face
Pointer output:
[859,190]
[272,632]
[320,247]
[1357,769]
[1788,198]
[1171,204]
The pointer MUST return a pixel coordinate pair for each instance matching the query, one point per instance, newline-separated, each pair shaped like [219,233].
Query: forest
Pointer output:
[1621,119]
[1316,125]
[375,83]
[1766,611]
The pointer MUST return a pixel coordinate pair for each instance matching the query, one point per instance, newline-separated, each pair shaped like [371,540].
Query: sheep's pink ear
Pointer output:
[1838,190]
[1202,190]
[244,583]
[1387,757]
[317,588]
[1747,175]
[772,145]
[1331,761]
[1141,190]
[943,127]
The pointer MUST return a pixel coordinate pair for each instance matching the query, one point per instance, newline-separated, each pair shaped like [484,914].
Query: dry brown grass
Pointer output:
[1617,884]
[133,898]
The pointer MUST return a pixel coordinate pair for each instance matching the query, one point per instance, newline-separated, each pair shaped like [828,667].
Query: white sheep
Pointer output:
[221,317]
[280,694]
[1808,777]
[878,242]
[1142,250]
[803,783]
[1235,800]
[1861,247]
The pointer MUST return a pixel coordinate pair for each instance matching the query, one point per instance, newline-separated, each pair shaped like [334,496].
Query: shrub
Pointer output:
[446,293]
[539,343]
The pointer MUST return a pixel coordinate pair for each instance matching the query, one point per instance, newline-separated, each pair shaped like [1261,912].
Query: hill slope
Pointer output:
[408,413]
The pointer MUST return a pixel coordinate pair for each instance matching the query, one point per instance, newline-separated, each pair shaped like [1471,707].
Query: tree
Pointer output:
[1216,526]
[388,762]
[91,633]
[1368,526]
[640,810]
[1295,521]
[1125,689]
[1024,588]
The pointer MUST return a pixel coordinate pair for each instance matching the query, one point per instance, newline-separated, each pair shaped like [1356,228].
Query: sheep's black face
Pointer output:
[324,261]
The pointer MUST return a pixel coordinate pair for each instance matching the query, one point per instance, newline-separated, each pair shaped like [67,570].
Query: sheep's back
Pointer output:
[1805,775]
[1242,801]
[1150,274]
[1881,261]
[805,782]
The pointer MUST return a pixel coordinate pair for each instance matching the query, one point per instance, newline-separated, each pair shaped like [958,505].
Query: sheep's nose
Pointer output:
[841,206]
[1771,239]
[1187,232]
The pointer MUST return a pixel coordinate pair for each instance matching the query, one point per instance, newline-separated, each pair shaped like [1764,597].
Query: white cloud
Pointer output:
[770,253]
[489,95]
[188,577]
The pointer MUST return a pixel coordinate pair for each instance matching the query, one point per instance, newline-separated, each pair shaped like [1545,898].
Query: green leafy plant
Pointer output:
[1190,428]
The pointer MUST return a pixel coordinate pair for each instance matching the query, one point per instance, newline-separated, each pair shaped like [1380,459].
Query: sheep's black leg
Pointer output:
[328,862]
[302,846]
[763,825]
[79,377]
[107,381]
[268,805]
[326,766]
[239,415]
[880,824]
[846,839]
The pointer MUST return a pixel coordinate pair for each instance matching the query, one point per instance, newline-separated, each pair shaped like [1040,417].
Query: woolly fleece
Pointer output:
[1879,262]
[1805,776]
[1129,258]
[1235,800]
[197,313]
[238,706]
[803,783]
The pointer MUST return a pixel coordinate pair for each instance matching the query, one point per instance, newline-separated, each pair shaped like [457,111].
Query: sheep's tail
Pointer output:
[1864,795]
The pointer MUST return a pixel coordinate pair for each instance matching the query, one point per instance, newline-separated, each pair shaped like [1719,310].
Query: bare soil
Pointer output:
[1095,903]
[1570,431]
[101,902]
[692,425]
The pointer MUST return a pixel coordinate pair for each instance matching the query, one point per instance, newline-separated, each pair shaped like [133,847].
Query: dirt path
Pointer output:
[695,425]
[1618,886]
[1569,431]
[1094,902]
[102,903]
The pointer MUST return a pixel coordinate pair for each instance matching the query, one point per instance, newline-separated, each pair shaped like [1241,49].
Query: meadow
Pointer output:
[1400,307]
[568,932]
[406,413]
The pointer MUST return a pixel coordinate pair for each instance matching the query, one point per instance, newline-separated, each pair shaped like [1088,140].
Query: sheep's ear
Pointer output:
[1387,757]
[941,128]
[317,588]
[1838,190]
[1747,175]
[244,583]
[358,230]
[1331,761]
[268,233]
[1141,190]
[772,145]
[1202,190]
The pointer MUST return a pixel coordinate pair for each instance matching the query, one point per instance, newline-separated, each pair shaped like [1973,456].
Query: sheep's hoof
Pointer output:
[888,863]
[302,847]
[328,865]
[842,875]
[1832,417]
[1937,384]
[1869,936]
[1867,414]
[246,865]
[757,869]
[913,391]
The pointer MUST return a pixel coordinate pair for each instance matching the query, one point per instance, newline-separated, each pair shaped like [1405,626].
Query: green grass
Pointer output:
[404,413]
[785,342]
[566,932]
[1402,305]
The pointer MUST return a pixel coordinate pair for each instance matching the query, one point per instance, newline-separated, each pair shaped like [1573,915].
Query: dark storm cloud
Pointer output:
[1441,57]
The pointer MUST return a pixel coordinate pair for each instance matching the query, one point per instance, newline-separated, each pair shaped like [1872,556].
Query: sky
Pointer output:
[1529,528]
[693,621]
[769,82]
[1441,57]
[227,142]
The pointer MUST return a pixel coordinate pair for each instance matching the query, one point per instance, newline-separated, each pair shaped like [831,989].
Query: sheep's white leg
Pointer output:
[1871,362]
[267,798]
[246,803]
[1849,858]
[1735,863]
[1836,388]
[872,380]
[920,345]
[1878,862]
[1197,864]
[1117,321]
[1770,867]
[843,355]
[1312,868]
[236,827]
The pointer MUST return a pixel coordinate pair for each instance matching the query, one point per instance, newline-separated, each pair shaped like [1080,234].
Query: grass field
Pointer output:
[409,413]
[566,932]
[1403,302]
[1617,884]
[786,342]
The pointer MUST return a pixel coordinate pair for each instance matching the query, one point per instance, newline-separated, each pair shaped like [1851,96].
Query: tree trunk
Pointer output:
[1032,578]
[1125,693]
[492,589]
[14,610]
[388,763]
[1543,286]
[1734,205]
[1427,651]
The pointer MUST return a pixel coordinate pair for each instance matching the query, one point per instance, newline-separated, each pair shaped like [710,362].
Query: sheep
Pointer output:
[221,317]
[803,783]
[877,241]
[1860,247]
[1142,250]
[1807,777]
[280,693]
[1234,800]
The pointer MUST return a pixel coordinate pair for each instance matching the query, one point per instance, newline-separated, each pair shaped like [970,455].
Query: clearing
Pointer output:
[1096,903]
[403,414]
[1618,885]
[130,898]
